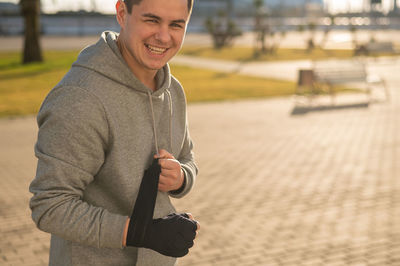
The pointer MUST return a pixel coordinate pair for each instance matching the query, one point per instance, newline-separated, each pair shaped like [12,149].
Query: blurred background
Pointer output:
[237,32]
[61,17]
[293,107]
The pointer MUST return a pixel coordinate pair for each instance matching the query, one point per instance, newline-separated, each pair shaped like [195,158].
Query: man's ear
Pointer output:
[121,11]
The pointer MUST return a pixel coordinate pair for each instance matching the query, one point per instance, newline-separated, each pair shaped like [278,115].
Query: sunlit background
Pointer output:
[296,126]
[107,6]
[53,6]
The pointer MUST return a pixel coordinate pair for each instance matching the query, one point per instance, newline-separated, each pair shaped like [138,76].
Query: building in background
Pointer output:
[242,8]
[361,6]
[287,14]
[9,9]
[11,22]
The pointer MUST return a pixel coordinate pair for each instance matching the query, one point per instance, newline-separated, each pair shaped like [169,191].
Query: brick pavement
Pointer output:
[321,188]
[274,189]
[20,242]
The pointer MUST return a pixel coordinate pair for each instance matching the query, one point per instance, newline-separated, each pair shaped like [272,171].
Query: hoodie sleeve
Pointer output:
[72,140]
[186,156]
[189,167]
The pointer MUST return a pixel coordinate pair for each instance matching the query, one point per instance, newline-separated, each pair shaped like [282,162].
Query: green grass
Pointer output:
[245,54]
[206,85]
[23,87]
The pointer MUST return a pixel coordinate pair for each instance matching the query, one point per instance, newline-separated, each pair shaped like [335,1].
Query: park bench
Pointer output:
[380,47]
[372,48]
[326,76]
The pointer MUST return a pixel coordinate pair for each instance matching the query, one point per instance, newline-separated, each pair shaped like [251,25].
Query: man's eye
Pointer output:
[152,20]
[176,25]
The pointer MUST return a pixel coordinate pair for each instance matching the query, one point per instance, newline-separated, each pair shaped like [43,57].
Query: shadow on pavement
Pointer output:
[302,110]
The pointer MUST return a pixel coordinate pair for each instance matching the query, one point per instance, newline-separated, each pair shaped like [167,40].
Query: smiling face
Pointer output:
[151,34]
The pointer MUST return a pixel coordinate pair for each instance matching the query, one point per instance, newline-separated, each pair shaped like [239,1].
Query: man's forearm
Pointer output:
[125,232]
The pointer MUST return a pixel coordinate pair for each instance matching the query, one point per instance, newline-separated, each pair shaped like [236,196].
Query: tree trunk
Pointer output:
[30,10]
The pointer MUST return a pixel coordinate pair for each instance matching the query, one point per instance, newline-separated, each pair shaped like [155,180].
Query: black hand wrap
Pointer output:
[172,235]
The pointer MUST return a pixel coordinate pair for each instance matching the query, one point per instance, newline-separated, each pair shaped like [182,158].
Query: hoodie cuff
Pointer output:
[184,189]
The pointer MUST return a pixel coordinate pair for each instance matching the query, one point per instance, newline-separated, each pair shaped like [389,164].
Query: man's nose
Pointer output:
[163,35]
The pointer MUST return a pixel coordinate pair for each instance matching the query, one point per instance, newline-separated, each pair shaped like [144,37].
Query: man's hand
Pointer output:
[172,176]
[187,215]
[172,235]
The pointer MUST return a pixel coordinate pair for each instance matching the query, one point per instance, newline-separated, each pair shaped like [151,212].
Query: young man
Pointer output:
[100,128]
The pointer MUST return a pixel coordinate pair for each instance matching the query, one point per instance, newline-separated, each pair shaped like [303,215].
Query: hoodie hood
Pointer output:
[105,58]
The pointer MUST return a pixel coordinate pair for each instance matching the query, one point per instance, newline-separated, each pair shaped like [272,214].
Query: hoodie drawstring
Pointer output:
[170,120]
[154,121]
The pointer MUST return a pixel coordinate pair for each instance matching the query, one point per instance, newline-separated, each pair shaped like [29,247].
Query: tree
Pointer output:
[222,29]
[312,26]
[327,30]
[260,28]
[30,10]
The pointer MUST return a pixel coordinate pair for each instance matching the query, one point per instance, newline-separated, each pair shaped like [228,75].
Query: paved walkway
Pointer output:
[283,70]
[321,188]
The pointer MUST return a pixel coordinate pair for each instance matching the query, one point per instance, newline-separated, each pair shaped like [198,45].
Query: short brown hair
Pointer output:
[130,3]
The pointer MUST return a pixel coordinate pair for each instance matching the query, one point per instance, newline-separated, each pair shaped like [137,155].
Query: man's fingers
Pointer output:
[163,154]
[168,173]
[166,179]
[169,163]
[163,184]
[190,216]
[198,226]
[162,188]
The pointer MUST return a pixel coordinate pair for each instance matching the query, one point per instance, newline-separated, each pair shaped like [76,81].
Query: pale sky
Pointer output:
[355,5]
[108,6]
[51,6]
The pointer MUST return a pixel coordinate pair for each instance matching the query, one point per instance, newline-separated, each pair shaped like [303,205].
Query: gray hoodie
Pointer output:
[98,131]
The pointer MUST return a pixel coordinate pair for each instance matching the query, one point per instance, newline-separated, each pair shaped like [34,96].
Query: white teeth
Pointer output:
[156,50]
